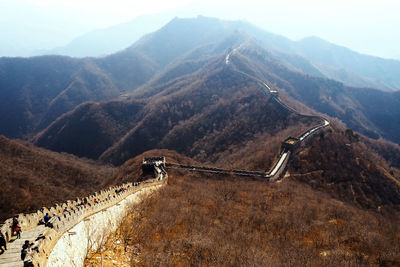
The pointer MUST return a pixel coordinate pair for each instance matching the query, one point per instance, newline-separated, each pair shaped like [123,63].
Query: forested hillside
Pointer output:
[36,91]
[203,115]
[32,177]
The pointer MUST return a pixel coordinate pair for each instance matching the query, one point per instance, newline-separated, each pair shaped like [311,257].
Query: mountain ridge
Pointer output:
[139,72]
[152,131]
[340,67]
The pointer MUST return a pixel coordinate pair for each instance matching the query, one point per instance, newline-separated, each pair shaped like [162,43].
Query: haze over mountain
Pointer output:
[370,28]
[342,64]
[333,61]
[110,40]
[176,105]
[37,91]
[205,92]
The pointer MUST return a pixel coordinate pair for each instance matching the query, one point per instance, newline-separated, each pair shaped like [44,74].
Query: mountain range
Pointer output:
[209,93]
[174,89]
[203,92]
[332,61]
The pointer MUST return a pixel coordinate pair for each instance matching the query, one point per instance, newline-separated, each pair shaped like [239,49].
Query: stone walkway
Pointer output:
[12,256]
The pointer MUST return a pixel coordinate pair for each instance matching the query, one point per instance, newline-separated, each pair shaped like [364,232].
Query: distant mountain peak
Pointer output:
[313,38]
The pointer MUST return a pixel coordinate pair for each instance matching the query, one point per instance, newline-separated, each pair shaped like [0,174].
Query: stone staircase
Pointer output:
[12,256]
[64,217]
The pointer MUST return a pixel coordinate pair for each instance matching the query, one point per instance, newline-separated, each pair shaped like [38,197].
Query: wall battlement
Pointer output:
[67,215]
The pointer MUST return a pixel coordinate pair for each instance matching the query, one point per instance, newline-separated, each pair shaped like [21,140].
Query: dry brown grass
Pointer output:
[31,177]
[347,170]
[260,153]
[203,221]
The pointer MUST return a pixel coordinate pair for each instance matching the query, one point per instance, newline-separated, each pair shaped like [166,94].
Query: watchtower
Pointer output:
[274,92]
[152,165]
[290,142]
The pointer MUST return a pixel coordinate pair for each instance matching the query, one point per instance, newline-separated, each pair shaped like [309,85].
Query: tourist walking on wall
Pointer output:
[15,228]
[15,222]
[17,231]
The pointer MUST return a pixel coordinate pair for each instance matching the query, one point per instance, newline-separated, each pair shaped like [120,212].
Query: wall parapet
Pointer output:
[66,215]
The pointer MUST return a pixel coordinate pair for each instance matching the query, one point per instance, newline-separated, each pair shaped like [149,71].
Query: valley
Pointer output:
[206,142]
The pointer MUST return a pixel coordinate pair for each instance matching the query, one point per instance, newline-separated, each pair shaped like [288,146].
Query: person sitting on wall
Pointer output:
[2,243]
[47,222]
[86,202]
[46,218]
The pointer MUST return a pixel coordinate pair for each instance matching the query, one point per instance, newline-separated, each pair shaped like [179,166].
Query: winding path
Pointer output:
[107,198]
[278,169]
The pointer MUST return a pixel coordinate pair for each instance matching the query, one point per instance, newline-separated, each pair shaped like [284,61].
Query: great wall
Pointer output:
[77,225]
[79,228]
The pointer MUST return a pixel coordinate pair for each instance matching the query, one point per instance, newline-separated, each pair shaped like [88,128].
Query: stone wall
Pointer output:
[72,247]
[107,207]
[68,220]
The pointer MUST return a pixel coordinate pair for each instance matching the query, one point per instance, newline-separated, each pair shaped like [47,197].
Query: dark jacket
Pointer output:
[2,240]
[46,218]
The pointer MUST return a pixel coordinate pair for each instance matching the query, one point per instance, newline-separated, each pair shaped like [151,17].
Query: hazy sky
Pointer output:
[368,26]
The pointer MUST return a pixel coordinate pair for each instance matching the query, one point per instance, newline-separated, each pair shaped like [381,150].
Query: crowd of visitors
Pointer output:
[29,247]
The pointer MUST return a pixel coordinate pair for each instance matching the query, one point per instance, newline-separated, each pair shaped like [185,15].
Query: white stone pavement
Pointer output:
[12,256]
